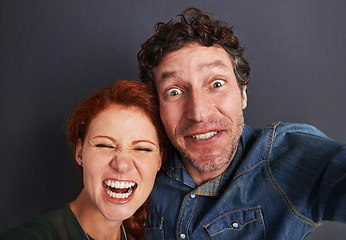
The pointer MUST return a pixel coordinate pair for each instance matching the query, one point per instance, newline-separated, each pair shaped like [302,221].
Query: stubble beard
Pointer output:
[211,162]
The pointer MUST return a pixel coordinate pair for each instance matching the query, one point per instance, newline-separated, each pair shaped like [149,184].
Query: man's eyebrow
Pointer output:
[204,66]
[214,64]
[166,75]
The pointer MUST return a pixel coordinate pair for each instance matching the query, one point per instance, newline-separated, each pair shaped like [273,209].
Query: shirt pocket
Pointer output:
[154,226]
[238,224]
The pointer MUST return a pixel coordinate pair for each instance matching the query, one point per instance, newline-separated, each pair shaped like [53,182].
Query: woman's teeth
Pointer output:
[119,189]
[119,195]
[118,184]
[204,135]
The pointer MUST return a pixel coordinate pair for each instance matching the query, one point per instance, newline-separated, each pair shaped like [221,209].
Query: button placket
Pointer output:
[186,211]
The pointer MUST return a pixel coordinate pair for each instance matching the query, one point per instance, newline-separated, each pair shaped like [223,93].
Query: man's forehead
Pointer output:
[203,66]
[192,56]
[164,73]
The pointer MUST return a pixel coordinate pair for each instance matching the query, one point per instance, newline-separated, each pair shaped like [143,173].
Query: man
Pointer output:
[226,180]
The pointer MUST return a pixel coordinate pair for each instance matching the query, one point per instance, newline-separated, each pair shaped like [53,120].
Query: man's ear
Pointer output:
[78,152]
[244,97]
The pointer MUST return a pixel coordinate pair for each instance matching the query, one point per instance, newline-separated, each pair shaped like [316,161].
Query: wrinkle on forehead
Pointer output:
[204,67]
[214,64]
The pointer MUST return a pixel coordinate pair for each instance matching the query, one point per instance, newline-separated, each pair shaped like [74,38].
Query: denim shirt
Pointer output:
[283,181]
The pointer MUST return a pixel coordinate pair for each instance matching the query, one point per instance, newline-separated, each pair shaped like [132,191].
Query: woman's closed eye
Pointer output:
[144,149]
[104,146]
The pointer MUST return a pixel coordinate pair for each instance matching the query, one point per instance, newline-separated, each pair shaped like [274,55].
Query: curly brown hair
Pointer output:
[192,26]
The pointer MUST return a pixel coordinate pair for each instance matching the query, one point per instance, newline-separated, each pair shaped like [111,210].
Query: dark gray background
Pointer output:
[55,53]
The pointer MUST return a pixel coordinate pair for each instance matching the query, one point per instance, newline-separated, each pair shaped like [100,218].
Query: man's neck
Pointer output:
[200,177]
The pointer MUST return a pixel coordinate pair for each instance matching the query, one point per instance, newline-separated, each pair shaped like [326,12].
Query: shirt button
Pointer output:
[235,225]
[193,195]
[182,236]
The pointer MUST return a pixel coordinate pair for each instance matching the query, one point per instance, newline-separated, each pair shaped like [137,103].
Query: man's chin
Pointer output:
[208,163]
[205,159]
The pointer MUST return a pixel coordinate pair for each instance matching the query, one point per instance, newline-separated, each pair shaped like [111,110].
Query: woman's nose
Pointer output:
[122,162]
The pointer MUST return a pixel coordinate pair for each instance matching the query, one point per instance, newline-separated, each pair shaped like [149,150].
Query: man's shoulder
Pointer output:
[284,127]
[299,128]
[283,130]
[281,137]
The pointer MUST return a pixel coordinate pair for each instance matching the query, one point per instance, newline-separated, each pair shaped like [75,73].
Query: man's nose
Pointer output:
[198,106]
[122,162]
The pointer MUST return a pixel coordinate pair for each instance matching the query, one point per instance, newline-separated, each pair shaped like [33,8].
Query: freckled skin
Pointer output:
[121,144]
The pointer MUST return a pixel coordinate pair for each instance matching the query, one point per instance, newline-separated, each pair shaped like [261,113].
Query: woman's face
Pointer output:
[121,156]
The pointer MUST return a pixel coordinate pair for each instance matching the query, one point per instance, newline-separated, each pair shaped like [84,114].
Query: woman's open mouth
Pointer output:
[119,189]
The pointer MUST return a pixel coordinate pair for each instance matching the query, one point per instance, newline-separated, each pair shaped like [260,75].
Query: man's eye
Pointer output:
[173,92]
[217,83]
[104,146]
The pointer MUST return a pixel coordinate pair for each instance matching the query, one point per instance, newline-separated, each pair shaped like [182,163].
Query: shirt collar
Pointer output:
[214,186]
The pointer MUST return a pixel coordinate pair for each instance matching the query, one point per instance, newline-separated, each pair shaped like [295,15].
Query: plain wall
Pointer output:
[55,53]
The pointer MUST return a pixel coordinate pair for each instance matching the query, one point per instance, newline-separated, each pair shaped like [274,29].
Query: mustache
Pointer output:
[219,123]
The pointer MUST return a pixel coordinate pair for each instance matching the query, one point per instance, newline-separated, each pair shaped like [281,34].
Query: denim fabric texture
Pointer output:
[283,181]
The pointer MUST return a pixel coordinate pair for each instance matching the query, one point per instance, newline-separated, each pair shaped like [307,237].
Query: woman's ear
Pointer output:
[160,163]
[78,152]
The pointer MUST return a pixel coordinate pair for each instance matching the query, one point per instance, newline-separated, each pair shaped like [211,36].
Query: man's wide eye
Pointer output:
[217,83]
[173,92]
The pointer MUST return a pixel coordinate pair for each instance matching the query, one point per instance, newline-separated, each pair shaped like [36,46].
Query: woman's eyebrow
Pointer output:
[105,136]
[143,140]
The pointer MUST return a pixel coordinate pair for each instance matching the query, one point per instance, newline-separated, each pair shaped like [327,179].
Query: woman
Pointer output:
[118,141]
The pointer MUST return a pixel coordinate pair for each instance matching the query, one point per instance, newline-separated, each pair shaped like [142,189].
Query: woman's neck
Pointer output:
[93,222]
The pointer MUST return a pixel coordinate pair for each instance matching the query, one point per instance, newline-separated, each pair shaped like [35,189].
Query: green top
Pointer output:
[57,224]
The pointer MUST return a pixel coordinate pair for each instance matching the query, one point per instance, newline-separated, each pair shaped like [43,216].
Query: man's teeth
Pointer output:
[119,185]
[204,135]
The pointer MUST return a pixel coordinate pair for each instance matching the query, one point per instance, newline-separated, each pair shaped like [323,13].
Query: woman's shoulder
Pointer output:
[57,224]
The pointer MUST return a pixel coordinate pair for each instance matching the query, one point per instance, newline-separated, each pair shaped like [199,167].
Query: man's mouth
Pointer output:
[204,136]
[119,189]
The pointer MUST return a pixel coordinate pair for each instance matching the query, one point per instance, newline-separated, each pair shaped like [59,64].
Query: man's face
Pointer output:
[201,105]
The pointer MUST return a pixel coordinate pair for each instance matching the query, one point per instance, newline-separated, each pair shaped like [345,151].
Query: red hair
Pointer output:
[127,94]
